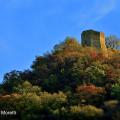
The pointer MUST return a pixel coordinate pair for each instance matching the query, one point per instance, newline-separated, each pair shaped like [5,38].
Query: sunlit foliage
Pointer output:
[69,83]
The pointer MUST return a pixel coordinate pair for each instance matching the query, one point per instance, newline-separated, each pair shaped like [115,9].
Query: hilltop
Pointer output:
[70,82]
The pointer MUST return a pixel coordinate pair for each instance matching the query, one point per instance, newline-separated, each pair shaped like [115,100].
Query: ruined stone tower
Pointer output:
[93,38]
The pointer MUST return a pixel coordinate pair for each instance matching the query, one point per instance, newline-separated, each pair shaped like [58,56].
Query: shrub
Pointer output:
[86,112]
[115,91]
[88,92]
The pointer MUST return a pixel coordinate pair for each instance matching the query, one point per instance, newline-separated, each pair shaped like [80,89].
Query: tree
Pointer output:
[26,87]
[116,91]
[86,92]
[69,44]
[112,109]
[87,112]
[112,42]
[11,79]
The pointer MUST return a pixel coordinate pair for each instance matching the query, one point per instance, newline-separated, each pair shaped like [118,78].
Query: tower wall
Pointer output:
[102,40]
[93,38]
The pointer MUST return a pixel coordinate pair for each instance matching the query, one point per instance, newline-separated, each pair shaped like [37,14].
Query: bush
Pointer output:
[86,112]
[116,91]
[86,93]
[32,106]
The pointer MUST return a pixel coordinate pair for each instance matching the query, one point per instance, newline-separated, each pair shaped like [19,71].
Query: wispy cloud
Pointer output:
[103,8]
[97,11]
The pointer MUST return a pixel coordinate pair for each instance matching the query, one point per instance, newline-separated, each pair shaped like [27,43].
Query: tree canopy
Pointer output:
[71,82]
[113,42]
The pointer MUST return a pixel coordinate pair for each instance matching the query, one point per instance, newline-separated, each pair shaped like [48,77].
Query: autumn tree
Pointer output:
[112,42]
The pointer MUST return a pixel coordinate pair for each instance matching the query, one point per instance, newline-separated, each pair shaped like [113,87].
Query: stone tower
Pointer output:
[93,39]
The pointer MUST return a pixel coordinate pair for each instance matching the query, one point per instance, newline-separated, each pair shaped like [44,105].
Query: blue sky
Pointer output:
[29,28]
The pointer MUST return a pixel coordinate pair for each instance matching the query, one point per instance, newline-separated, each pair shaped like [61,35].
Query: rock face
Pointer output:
[93,38]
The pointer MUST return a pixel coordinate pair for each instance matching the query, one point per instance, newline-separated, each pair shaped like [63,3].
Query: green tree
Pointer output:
[27,87]
[115,91]
[11,79]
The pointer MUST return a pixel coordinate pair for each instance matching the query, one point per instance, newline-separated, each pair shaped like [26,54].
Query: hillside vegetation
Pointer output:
[69,83]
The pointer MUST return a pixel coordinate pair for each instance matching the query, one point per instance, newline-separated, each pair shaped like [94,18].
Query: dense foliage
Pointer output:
[69,83]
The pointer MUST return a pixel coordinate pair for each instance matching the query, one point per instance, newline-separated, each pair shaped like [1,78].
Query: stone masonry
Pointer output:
[93,38]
